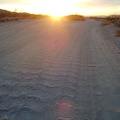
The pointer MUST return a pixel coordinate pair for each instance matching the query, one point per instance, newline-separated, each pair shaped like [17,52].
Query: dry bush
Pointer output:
[115,19]
[75,17]
[14,16]
[118,33]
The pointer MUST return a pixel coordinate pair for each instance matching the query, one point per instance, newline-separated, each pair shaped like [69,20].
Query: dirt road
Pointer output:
[58,71]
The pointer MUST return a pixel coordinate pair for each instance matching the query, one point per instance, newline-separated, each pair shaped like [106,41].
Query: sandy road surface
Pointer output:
[58,71]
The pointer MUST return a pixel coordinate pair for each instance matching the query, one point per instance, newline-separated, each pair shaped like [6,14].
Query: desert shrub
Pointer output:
[114,19]
[75,17]
[14,16]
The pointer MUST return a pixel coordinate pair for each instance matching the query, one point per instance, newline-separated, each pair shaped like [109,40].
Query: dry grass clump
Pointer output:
[118,33]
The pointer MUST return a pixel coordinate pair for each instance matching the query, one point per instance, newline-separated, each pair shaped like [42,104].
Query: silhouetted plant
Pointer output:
[10,16]
[115,19]
[75,17]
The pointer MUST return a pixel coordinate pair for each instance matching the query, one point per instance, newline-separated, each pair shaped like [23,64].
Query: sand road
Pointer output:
[58,71]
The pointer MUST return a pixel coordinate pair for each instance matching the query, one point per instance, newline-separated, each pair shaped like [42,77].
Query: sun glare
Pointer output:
[55,8]
[56,18]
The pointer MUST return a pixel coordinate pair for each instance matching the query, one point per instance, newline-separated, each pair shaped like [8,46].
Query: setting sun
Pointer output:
[55,8]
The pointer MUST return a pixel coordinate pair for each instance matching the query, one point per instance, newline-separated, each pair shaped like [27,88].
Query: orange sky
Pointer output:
[63,7]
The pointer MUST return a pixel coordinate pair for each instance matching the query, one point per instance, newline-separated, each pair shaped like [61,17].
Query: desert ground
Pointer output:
[59,70]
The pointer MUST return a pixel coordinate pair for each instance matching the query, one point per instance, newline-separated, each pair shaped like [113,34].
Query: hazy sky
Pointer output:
[63,7]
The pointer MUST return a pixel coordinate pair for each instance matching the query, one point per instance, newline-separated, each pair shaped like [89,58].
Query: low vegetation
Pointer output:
[113,19]
[95,17]
[14,16]
[75,17]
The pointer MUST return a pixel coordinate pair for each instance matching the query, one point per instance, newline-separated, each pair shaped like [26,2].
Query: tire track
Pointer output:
[66,72]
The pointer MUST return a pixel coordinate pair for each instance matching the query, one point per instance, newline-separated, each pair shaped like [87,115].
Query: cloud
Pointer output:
[101,7]
[101,3]
[92,3]
[14,2]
